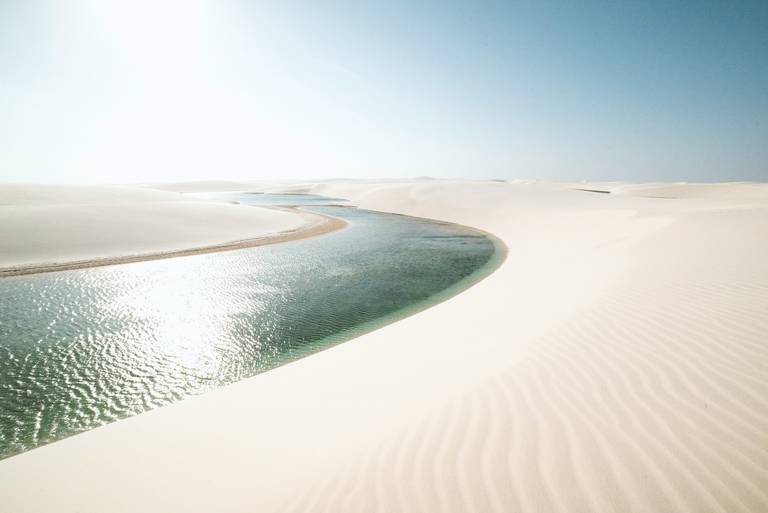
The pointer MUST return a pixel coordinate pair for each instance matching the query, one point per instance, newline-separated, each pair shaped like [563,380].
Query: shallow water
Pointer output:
[82,348]
[258,198]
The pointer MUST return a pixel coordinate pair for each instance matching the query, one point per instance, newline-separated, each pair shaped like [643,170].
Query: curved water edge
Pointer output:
[498,257]
[79,349]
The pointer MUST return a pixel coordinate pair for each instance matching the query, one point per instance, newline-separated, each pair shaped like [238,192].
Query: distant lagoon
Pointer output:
[82,348]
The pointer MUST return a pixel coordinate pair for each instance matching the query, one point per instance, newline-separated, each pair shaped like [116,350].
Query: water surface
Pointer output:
[82,348]
[258,198]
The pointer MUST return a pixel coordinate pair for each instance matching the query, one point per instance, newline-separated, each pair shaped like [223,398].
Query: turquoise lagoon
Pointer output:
[82,348]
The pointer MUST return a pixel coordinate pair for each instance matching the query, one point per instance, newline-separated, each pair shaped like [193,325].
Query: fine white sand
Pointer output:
[51,227]
[616,361]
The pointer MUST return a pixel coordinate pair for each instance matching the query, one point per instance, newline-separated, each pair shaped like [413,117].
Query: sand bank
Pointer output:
[52,228]
[616,361]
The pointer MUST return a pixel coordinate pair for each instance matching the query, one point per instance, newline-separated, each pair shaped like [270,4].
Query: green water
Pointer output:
[79,349]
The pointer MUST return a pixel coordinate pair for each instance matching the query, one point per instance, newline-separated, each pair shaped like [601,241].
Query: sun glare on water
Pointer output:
[181,309]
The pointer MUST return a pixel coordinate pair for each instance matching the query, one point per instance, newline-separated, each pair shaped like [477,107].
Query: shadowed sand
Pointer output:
[616,361]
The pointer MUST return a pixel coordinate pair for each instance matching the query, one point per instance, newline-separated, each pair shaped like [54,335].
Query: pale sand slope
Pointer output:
[43,224]
[617,361]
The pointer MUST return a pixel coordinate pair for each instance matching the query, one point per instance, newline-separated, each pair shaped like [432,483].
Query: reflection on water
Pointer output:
[82,348]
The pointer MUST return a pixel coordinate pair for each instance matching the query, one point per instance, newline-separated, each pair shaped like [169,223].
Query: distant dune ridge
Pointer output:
[616,361]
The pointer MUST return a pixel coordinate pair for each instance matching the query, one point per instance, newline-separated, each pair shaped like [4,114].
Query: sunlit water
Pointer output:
[79,349]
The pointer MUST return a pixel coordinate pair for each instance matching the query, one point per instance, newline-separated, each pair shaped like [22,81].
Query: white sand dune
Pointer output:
[616,361]
[41,225]
[734,191]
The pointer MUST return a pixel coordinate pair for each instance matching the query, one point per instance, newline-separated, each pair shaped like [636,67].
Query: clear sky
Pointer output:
[153,90]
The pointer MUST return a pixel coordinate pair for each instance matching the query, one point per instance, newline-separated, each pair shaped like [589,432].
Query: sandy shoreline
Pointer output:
[317,224]
[615,361]
[47,228]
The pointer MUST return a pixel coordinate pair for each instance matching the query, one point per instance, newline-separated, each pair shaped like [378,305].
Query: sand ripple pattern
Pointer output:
[647,403]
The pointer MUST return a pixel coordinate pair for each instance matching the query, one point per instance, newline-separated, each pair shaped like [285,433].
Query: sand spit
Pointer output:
[316,224]
[616,361]
[53,228]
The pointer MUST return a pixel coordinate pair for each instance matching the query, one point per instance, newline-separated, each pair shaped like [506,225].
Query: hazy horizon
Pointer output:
[104,92]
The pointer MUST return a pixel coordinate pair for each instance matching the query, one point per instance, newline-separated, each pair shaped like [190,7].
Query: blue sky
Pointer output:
[99,91]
